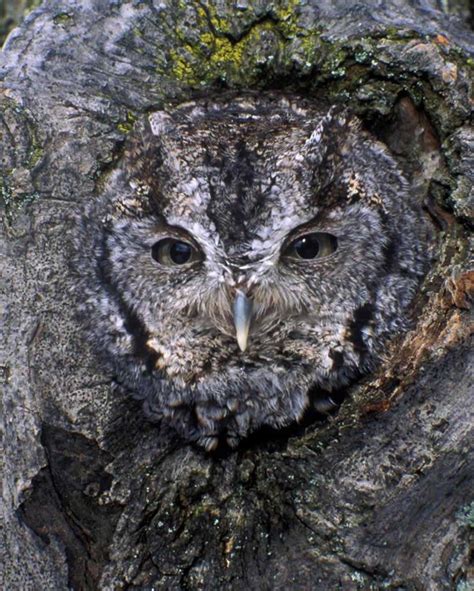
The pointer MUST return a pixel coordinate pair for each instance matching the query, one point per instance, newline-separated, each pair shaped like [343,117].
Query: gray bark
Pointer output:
[94,497]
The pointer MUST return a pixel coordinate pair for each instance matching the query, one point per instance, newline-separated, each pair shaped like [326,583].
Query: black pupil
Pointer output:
[180,252]
[307,247]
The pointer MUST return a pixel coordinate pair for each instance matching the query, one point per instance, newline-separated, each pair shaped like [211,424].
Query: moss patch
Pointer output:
[22,153]
[126,126]
[211,51]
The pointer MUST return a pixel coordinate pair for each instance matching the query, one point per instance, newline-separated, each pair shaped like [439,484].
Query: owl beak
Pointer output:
[242,316]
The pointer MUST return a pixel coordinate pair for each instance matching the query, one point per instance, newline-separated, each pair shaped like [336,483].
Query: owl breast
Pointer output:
[247,252]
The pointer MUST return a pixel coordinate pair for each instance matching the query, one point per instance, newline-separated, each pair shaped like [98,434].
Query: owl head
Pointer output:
[247,250]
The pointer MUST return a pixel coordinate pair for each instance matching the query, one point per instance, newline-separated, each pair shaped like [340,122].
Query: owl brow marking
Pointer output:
[173,231]
[312,225]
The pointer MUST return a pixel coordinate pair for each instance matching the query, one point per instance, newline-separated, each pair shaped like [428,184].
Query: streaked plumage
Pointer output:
[244,186]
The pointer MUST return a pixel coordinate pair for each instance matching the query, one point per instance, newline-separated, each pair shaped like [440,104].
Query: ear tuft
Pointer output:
[332,135]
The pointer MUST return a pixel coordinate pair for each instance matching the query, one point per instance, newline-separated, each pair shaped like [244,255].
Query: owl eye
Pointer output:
[311,246]
[172,252]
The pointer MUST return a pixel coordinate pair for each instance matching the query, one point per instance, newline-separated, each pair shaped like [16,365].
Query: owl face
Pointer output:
[246,251]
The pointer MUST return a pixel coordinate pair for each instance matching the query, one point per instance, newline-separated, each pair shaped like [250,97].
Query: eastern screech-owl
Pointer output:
[247,251]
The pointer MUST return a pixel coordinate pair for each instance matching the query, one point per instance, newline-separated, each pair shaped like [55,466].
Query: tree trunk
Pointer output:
[95,497]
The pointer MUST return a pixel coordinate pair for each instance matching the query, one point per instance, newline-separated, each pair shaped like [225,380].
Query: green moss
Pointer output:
[20,158]
[35,155]
[127,125]
[216,57]
[209,52]
[62,18]
[36,148]
[280,46]
[209,13]
[13,204]
[334,58]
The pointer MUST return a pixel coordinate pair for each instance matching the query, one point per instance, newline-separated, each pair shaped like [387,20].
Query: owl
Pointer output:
[248,251]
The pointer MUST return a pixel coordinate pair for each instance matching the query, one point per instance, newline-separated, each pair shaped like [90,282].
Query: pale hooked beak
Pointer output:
[242,316]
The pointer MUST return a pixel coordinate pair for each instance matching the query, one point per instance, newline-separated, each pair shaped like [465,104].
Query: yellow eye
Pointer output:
[311,246]
[172,252]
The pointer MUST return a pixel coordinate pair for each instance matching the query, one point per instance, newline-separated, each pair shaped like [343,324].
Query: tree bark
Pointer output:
[378,496]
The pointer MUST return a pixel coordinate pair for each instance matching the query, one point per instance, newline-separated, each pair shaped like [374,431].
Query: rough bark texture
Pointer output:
[94,497]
